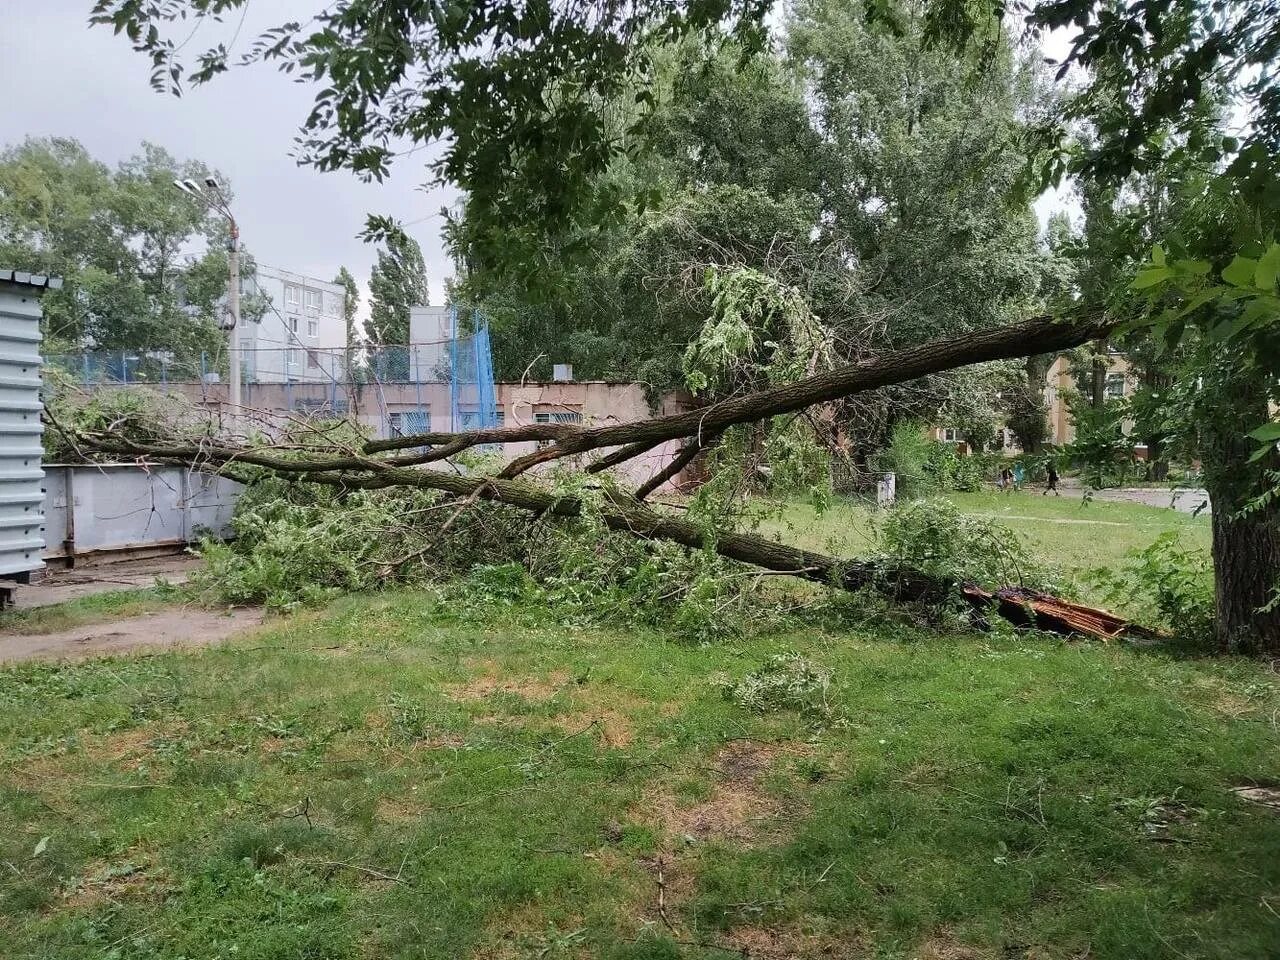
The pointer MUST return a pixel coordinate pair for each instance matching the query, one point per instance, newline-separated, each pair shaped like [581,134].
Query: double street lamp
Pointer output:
[211,196]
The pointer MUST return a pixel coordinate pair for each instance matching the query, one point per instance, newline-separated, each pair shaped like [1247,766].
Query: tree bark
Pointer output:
[1246,546]
[1246,562]
[1041,335]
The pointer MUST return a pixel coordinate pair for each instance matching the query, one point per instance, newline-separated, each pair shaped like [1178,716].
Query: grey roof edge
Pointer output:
[37,281]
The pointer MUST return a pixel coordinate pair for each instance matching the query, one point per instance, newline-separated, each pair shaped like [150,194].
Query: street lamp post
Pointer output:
[213,198]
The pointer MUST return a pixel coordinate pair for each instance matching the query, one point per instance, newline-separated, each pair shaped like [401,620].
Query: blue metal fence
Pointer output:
[317,378]
[472,393]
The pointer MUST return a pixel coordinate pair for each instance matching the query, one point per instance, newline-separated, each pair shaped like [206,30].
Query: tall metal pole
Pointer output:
[233,304]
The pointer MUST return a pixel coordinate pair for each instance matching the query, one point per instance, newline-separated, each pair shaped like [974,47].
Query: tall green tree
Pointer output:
[398,282]
[120,239]
[350,304]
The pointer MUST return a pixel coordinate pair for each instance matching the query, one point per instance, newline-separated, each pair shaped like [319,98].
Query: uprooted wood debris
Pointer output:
[1031,608]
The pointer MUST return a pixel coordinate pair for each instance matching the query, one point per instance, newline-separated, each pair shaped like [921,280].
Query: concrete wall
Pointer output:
[301,335]
[377,406]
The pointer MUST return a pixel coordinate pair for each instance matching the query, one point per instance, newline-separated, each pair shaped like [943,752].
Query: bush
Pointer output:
[786,681]
[932,535]
[301,543]
[1167,584]
[926,467]
[908,451]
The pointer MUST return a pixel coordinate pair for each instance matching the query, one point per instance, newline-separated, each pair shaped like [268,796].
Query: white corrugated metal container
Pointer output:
[21,478]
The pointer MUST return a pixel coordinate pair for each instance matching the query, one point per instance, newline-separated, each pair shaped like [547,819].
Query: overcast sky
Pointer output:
[60,78]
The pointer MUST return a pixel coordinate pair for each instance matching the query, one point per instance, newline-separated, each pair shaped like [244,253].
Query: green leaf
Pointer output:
[1157,255]
[1199,268]
[1150,277]
[1241,271]
[1197,300]
[1268,268]
[42,846]
[1267,433]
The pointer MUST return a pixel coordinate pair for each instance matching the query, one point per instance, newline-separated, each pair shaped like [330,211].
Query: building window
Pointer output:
[313,327]
[1115,386]
[556,416]
[313,360]
[292,355]
[470,420]
[292,295]
[952,435]
[312,299]
[408,423]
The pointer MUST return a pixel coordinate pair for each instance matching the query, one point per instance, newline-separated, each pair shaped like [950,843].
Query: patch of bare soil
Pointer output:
[106,882]
[59,586]
[525,932]
[122,750]
[738,807]
[404,808]
[786,943]
[942,946]
[485,685]
[1268,797]
[584,704]
[178,628]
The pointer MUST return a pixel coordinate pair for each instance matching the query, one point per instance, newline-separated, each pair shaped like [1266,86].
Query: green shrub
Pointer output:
[1166,584]
[786,681]
[300,543]
[908,453]
[926,467]
[932,535]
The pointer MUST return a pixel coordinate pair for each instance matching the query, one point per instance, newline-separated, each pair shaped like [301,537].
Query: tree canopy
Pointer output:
[123,240]
[398,282]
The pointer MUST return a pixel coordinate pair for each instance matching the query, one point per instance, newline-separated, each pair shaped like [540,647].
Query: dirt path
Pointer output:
[177,628]
[1065,520]
[59,586]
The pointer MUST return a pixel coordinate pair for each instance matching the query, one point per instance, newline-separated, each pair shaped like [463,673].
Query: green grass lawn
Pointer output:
[1065,531]
[382,779]
[95,608]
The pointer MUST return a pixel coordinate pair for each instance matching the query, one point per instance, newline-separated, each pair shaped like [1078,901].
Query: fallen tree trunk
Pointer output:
[626,514]
[1040,335]
[365,467]
[1031,608]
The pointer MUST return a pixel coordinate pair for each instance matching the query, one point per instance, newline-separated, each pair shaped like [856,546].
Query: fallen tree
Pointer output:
[377,464]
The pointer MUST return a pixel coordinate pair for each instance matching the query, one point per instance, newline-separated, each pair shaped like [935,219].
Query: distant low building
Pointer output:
[1061,379]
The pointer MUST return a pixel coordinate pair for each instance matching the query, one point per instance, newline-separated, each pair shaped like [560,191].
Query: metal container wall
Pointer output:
[21,479]
[95,511]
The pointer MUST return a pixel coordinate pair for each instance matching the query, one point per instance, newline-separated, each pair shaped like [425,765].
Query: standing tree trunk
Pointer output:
[1246,564]
[1246,547]
[1098,386]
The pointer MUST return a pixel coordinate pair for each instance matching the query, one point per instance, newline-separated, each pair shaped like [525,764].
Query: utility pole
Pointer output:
[215,200]
[233,306]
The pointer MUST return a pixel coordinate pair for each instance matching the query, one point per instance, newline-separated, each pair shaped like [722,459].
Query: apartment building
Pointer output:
[303,334]
[1121,382]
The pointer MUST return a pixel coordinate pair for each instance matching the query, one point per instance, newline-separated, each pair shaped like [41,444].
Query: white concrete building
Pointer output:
[430,333]
[301,337]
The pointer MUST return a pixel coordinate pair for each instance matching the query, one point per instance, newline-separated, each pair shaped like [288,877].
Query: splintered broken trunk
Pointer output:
[1044,611]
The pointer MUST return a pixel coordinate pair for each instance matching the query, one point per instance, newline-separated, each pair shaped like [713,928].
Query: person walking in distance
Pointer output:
[1052,472]
[1018,475]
